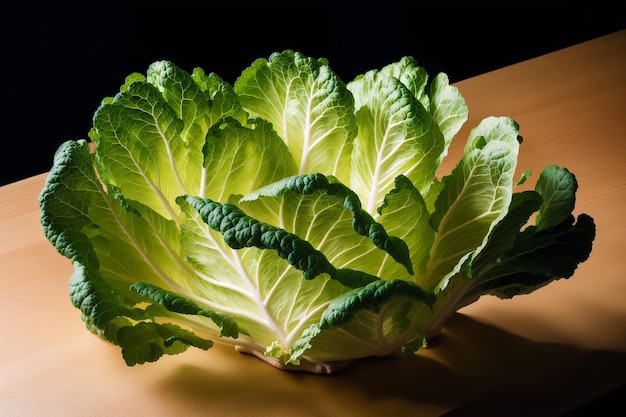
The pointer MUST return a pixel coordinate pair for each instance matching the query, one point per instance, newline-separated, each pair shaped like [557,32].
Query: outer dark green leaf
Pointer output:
[178,304]
[148,341]
[557,187]
[390,315]
[539,257]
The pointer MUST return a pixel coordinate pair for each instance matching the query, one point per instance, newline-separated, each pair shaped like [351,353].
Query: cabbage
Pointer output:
[296,217]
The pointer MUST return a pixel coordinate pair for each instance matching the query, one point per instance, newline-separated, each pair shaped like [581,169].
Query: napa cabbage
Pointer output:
[297,217]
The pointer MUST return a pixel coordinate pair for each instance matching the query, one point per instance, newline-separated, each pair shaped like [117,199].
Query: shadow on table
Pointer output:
[471,368]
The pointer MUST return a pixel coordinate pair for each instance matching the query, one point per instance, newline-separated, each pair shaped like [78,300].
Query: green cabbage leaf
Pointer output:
[296,217]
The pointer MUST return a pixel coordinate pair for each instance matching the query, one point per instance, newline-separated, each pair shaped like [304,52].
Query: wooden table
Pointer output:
[538,354]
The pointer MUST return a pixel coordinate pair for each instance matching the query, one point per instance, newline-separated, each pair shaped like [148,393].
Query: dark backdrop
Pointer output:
[60,59]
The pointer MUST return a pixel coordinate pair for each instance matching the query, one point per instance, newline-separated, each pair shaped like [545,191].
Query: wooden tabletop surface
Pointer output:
[538,354]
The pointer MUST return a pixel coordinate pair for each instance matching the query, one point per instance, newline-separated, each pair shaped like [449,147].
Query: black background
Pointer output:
[61,58]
